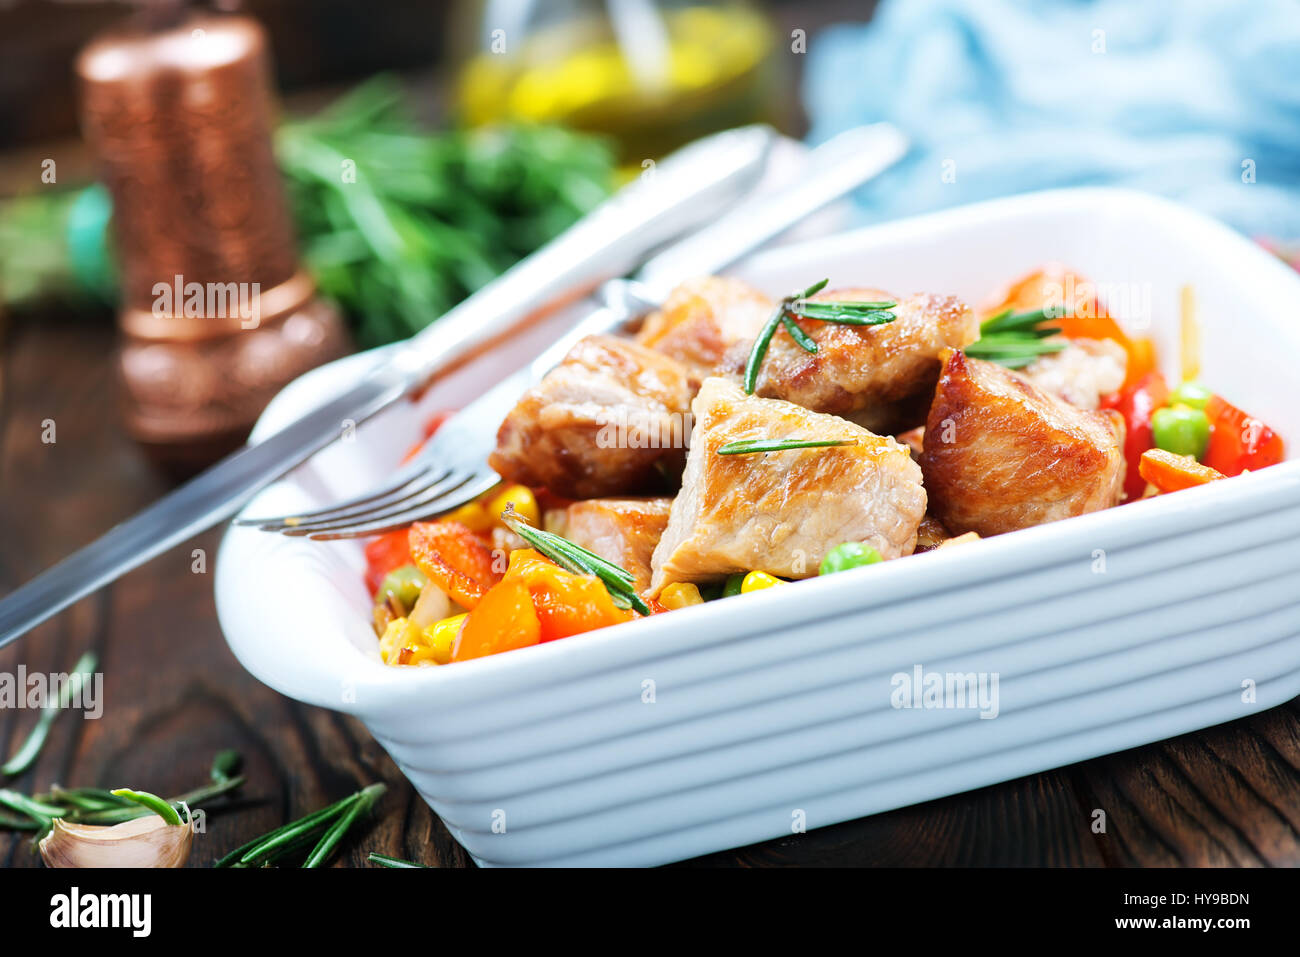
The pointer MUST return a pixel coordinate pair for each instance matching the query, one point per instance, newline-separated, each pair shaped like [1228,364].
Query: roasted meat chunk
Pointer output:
[702,318]
[881,376]
[780,512]
[624,531]
[611,419]
[1082,372]
[1002,454]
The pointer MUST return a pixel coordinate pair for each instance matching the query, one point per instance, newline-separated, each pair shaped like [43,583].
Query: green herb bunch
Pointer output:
[399,225]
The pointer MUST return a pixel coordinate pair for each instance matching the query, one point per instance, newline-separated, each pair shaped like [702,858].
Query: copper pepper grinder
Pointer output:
[217,314]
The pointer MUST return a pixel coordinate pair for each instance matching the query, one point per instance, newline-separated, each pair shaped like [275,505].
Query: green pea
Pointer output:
[848,555]
[732,587]
[404,584]
[1191,394]
[1181,430]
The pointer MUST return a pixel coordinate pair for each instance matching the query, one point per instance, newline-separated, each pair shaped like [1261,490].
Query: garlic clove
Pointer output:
[142,842]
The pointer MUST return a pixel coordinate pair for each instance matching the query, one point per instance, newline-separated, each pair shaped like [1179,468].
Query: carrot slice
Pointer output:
[1171,473]
[504,620]
[454,559]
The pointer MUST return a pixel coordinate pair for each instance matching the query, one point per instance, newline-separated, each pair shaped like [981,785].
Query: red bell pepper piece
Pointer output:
[385,554]
[1137,403]
[1238,441]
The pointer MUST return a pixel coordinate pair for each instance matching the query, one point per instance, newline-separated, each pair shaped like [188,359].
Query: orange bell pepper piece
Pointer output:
[454,559]
[504,620]
[1170,472]
[567,604]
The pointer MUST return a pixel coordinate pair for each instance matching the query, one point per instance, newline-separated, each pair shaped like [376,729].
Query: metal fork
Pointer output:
[452,468]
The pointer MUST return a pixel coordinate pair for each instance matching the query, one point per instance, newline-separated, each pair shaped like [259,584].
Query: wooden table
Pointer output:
[174,694]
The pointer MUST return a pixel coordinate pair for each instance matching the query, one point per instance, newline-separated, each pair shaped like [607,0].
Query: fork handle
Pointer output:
[623,301]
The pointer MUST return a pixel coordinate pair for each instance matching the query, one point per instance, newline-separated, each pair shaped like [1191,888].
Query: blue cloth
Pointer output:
[1019,96]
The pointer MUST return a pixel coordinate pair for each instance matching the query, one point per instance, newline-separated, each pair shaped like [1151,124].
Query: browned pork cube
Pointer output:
[780,512]
[613,418]
[1001,454]
[624,531]
[703,317]
[881,376]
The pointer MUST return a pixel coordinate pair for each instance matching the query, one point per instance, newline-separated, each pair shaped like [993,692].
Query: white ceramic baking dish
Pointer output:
[741,720]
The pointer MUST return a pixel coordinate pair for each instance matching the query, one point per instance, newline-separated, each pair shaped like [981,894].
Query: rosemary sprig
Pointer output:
[38,810]
[574,558]
[847,312]
[318,833]
[26,755]
[752,446]
[364,802]
[383,860]
[89,805]
[225,765]
[796,306]
[87,800]
[1015,339]
[806,342]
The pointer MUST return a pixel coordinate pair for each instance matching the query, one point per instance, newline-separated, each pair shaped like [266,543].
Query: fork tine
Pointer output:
[470,487]
[417,472]
[446,482]
[361,510]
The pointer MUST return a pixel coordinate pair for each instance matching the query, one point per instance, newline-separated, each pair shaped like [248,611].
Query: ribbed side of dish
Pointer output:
[1088,662]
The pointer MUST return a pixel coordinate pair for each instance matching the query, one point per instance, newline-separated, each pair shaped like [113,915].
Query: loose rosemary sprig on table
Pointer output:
[100,806]
[580,561]
[31,748]
[1015,339]
[317,834]
[795,306]
[752,446]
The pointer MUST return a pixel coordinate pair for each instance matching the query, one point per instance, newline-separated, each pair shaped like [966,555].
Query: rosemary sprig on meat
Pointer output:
[574,558]
[796,306]
[1015,339]
[752,446]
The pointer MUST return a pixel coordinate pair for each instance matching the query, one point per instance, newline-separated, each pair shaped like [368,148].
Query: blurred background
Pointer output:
[377,161]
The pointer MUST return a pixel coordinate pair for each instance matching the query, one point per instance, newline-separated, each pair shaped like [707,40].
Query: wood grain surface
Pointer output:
[174,695]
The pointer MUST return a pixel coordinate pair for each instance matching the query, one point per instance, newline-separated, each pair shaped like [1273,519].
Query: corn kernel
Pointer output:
[441,635]
[524,501]
[399,635]
[757,581]
[679,595]
[473,516]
